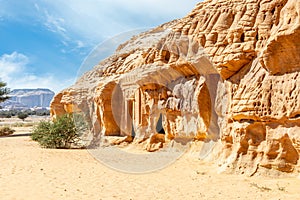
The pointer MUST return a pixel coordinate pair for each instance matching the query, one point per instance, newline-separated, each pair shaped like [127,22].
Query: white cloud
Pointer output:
[79,44]
[15,69]
[37,7]
[55,24]
[11,64]
[96,20]
[93,21]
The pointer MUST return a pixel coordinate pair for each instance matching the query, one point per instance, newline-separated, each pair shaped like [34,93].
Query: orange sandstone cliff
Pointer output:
[229,72]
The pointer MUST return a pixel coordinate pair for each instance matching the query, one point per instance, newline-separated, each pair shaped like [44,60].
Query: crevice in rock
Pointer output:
[243,37]
[159,125]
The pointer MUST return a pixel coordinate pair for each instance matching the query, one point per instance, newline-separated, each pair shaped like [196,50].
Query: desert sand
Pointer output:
[31,172]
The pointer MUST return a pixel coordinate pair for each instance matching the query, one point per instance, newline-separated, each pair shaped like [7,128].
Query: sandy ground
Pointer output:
[30,172]
[14,121]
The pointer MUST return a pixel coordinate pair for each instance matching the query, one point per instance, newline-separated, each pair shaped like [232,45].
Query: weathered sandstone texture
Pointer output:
[228,72]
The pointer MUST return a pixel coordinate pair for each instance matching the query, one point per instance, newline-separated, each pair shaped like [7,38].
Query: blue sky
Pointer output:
[43,42]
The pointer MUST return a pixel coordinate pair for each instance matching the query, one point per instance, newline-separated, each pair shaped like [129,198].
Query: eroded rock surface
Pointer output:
[229,71]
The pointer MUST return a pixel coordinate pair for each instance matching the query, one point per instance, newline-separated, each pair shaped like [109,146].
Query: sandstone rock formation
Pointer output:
[228,72]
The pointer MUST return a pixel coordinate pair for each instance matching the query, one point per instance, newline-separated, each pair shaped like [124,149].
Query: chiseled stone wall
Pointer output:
[228,71]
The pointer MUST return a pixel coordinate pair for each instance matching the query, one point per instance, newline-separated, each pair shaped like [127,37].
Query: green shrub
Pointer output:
[4,131]
[61,133]
[24,124]
[22,115]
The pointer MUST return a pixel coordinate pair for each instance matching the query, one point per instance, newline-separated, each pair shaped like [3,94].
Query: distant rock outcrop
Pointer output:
[228,72]
[29,98]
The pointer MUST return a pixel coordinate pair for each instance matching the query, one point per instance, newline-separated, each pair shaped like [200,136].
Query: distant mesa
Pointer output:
[28,98]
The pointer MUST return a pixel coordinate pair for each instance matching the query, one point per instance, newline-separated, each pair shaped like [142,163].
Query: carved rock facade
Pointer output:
[229,72]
